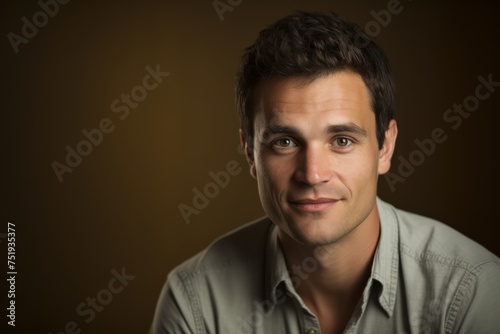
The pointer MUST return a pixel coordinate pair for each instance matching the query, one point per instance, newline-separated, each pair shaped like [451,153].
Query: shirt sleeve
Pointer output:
[173,314]
[483,312]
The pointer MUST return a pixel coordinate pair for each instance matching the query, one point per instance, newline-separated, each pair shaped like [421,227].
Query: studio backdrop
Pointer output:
[121,152]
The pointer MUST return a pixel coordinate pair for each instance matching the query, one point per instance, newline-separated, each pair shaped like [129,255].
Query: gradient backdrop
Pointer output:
[119,208]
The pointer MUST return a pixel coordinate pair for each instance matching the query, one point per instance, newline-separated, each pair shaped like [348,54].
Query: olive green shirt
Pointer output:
[425,278]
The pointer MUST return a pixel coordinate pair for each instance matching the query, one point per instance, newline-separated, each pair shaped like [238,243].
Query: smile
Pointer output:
[312,205]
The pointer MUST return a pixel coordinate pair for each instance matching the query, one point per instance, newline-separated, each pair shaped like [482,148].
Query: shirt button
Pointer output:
[311,331]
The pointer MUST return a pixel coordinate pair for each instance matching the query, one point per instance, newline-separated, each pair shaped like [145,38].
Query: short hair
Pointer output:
[310,45]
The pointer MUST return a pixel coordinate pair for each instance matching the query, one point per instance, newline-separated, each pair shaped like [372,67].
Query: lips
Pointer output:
[312,204]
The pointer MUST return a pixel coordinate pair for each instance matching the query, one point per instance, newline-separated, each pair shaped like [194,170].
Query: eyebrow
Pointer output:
[349,128]
[337,128]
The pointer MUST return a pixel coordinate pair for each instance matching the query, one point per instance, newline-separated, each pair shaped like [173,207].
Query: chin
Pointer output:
[313,231]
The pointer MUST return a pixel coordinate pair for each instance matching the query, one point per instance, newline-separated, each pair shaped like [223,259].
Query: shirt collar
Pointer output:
[386,261]
[384,269]
[276,270]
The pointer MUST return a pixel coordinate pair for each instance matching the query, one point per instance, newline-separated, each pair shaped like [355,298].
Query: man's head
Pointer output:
[316,115]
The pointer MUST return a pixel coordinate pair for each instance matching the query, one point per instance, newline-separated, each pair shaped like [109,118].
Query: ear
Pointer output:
[248,154]
[385,153]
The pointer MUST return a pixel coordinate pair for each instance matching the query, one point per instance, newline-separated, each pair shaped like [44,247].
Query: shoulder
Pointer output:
[422,237]
[445,274]
[234,248]
[200,291]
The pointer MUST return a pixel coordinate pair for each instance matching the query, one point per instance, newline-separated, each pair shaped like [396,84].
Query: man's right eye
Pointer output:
[284,143]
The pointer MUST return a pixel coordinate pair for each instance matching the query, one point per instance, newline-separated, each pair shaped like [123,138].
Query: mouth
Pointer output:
[312,205]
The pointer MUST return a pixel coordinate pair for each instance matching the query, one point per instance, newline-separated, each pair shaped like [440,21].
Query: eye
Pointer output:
[342,142]
[284,143]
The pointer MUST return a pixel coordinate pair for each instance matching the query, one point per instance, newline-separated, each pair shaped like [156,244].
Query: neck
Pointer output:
[334,274]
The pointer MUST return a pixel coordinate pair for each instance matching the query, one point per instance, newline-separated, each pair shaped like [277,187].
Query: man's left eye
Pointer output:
[342,142]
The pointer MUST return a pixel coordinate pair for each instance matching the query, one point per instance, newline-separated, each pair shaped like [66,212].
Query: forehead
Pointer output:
[341,95]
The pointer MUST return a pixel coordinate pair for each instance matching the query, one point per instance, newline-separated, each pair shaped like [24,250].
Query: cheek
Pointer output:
[274,173]
[271,186]
[357,171]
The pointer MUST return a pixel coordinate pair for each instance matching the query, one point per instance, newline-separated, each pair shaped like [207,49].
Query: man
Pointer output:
[315,100]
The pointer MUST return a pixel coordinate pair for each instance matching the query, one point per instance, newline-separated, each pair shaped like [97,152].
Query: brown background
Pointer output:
[119,208]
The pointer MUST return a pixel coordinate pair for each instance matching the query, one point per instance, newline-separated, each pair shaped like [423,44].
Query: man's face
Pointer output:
[316,157]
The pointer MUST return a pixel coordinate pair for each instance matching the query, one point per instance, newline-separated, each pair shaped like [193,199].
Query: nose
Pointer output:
[314,166]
